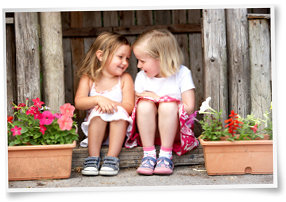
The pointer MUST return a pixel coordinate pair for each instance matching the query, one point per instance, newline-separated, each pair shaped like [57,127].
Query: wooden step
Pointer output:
[132,157]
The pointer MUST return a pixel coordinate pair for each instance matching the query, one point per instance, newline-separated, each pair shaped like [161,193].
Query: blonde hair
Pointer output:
[162,45]
[108,43]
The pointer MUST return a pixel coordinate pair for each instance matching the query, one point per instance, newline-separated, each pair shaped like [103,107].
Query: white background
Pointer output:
[170,193]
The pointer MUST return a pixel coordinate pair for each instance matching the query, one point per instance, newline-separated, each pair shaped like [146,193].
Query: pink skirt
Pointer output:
[187,141]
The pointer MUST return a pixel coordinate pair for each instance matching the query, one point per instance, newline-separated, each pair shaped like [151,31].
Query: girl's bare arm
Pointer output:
[128,94]
[188,99]
[82,100]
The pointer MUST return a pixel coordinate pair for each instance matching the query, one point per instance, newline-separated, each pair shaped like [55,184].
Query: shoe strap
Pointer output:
[146,162]
[161,160]
[111,162]
[92,162]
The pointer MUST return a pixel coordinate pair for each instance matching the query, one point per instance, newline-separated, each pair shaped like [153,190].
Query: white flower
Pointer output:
[205,105]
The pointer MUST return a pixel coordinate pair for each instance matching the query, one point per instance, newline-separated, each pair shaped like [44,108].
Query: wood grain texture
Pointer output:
[27,56]
[238,61]
[52,60]
[260,66]
[215,59]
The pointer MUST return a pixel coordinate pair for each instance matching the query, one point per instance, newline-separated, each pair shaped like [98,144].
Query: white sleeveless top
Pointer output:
[115,94]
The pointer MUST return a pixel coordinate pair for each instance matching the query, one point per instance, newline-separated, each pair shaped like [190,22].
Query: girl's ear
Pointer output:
[99,55]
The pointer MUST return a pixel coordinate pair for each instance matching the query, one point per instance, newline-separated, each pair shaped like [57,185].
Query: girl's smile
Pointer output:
[119,62]
[149,65]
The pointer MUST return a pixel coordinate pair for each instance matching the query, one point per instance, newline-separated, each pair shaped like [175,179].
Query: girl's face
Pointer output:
[149,65]
[119,62]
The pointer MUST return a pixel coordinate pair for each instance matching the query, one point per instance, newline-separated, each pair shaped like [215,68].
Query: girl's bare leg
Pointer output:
[117,132]
[168,123]
[96,132]
[146,122]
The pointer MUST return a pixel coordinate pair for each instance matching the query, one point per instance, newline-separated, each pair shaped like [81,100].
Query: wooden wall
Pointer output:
[226,65]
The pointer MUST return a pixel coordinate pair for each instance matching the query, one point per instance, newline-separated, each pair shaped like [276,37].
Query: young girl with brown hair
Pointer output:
[107,92]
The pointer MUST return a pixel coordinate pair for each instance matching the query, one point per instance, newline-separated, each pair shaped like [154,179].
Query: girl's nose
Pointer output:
[139,65]
[125,62]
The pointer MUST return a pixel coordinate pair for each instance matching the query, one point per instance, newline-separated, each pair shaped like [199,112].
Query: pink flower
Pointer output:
[37,115]
[37,102]
[16,130]
[32,111]
[46,118]
[57,115]
[42,129]
[65,122]
[67,109]
[254,128]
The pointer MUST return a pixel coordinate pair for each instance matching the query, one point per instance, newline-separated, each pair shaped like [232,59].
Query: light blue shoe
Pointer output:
[91,166]
[110,166]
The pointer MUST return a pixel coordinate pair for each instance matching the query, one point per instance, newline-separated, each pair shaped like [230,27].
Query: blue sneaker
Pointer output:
[110,166]
[91,166]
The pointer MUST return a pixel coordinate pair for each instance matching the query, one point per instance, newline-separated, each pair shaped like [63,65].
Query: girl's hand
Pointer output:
[148,94]
[105,105]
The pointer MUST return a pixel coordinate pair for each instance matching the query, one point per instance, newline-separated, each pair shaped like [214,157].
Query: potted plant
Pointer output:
[239,146]
[40,142]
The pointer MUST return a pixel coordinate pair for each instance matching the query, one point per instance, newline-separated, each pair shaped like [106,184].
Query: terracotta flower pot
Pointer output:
[238,157]
[40,161]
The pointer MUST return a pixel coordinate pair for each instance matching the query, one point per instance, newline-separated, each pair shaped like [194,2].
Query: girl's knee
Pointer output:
[146,107]
[118,123]
[96,119]
[168,108]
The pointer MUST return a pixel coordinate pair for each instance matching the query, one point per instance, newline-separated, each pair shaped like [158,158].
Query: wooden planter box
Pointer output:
[238,157]
[40,162]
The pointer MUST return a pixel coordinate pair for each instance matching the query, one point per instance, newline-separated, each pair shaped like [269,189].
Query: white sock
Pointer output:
[165,152]
[150,151]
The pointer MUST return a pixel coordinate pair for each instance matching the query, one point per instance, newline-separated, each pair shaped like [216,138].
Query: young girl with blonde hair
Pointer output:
[164,109]
[107,92]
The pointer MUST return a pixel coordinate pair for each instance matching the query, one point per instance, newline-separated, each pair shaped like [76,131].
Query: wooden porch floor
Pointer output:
[132,157]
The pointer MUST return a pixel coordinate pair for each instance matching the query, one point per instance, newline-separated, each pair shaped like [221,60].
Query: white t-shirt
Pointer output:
[172,86]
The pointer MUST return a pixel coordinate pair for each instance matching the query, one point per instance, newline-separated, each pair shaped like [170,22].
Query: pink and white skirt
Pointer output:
[187,141]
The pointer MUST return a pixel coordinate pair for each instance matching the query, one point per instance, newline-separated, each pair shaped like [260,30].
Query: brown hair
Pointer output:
[108,43]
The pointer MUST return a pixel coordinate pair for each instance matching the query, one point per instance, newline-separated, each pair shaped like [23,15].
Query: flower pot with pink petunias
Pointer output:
[40,142]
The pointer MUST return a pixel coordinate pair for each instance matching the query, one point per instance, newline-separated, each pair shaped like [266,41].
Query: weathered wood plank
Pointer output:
[260,10]
[110,19]
[52,59]
[132,157]
[180,17]
[69,83]
[77,50]
[27,56]
[68,70]
[10,68]
[196,56]
[91,19]
[258,16]
[215,59]
[260,65]
[238,61]
[196,64]
[162,17]
[144,17]
[130,30]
